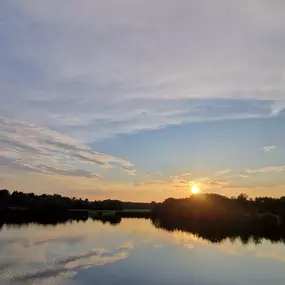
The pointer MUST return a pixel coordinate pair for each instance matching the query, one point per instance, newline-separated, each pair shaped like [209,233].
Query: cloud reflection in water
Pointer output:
[16,270]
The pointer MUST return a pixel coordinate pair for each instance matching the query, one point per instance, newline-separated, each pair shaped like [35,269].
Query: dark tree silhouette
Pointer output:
[31,201]
[215,217]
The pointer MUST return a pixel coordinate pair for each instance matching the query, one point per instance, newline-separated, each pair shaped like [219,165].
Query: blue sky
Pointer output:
[140,100]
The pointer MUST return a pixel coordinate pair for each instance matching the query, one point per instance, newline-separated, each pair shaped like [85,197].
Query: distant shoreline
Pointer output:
[209,215]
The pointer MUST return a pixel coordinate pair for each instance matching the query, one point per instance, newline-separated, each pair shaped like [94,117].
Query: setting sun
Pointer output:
[195,189]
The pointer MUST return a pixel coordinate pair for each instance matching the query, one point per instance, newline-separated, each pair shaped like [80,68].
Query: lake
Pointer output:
[132,252]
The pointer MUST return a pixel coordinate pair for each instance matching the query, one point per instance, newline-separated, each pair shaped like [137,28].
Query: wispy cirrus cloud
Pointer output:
[181,175]
[269,148]
[171,182]
[128,170]
[182,181]
[31,148]
[269,169]
[108,73]
[218,183]
[221,172]
[185,174]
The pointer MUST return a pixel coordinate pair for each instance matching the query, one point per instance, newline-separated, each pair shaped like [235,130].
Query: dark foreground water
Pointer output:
[132,252]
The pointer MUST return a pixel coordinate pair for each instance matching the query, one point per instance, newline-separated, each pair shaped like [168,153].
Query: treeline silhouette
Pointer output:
[57,202]
[215,217]
[18,208]
[22,208]
[209,216]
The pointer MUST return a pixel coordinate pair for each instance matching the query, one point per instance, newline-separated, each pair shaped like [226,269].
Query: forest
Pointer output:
[35,202]
[215,217]
[199,212]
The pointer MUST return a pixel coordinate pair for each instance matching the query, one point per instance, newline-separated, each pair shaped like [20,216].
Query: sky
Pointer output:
[140,100]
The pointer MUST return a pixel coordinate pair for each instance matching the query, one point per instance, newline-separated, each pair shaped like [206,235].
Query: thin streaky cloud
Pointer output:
[269,148]
[120,72]
[269,169]
[128,170]
[186,174]
[222,172]
[37,149]
[218,183]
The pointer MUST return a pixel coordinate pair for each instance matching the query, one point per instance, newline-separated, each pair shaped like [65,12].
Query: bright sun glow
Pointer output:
[195,189]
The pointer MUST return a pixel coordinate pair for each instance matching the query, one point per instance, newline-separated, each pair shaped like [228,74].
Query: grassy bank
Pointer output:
[128,213]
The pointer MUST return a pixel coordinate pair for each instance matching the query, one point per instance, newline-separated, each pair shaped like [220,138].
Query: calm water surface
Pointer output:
[132,252]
